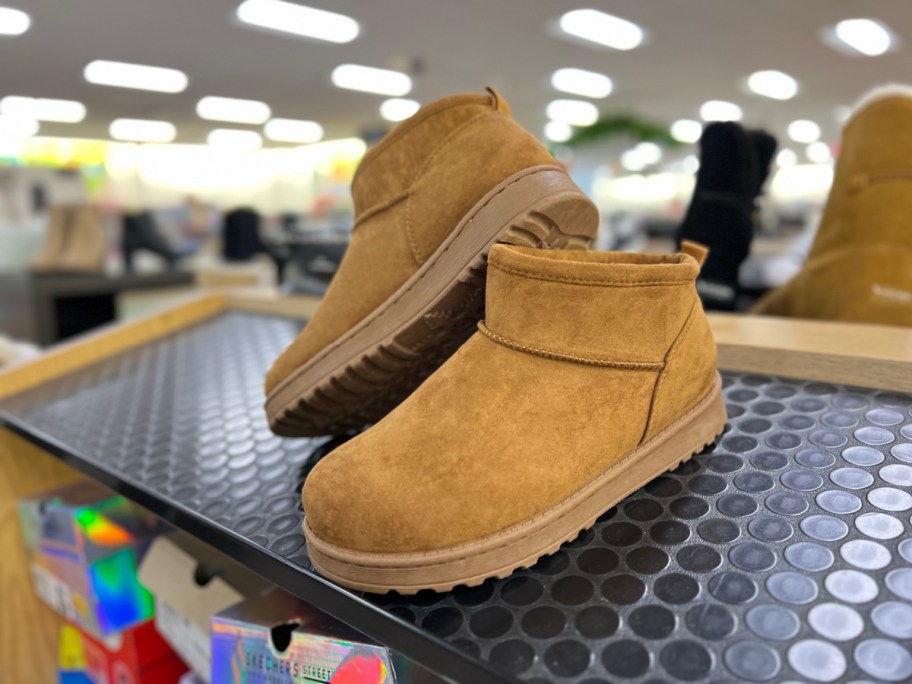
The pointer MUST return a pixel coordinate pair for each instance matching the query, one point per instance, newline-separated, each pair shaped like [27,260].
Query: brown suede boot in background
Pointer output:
[87,244]
[55,241]
[593,374]
[860,266]
[430,199]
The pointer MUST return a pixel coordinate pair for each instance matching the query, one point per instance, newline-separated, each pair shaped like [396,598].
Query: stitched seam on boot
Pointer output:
[450,137]
[378,208]
[672,351]
[563,356]
[590,282]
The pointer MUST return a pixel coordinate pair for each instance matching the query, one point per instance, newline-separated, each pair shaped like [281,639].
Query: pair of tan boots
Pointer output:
[591,374]
[74,243]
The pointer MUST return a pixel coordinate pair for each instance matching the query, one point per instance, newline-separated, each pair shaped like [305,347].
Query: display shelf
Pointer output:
[783,550]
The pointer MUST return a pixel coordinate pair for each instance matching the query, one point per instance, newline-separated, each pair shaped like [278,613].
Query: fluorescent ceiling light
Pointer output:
[861,36]
[773,84]
[17,127]
[13,22]
[371,80]
[142,130]
[582,82]
[289,17]
[558,131]
[136,76]
[804,131]
[686,130]
[234,139]
[43,109]
[690,164]
[632,161]
[649,152]
[719,110]
[786,157]
[293,131]
[233,110]
[398,109]
[573,112]
[819,152]
[602,28]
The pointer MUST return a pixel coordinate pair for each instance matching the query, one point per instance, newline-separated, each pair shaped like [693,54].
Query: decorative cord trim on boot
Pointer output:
[563,356]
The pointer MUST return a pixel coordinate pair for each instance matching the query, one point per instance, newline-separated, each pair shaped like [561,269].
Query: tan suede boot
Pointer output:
[860,266]
[593,374]
[87,245]
[55,241]
[430,199]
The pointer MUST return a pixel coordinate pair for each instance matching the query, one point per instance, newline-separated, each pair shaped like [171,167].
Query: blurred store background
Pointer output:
[149,148]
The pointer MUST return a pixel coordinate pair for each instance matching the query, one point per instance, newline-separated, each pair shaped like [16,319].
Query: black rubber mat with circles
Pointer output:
[783,553]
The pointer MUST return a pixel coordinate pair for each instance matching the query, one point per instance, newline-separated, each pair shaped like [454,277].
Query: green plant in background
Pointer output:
[626,126]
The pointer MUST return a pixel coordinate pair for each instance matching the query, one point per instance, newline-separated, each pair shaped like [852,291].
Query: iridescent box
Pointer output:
[275,638]
[85,544]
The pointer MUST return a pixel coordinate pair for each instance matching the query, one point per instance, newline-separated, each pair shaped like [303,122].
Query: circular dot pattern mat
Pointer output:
[783,553]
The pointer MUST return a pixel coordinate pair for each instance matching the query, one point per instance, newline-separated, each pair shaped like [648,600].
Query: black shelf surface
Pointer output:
[783,553]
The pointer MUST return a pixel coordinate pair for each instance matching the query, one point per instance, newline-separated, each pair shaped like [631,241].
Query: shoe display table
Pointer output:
[784,552]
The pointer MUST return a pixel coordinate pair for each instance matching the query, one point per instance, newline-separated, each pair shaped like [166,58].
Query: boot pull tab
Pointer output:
[497,101]
[695,250]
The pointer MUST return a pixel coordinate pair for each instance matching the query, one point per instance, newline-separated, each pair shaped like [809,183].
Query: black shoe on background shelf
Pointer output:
[141,233]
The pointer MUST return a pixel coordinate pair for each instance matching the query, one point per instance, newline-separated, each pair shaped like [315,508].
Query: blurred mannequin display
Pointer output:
[734,165]
[860,265]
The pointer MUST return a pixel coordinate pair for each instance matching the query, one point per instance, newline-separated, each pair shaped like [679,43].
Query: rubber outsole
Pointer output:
[373,367]
[522,545]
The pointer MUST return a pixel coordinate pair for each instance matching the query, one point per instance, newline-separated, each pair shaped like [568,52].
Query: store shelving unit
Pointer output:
[709,572]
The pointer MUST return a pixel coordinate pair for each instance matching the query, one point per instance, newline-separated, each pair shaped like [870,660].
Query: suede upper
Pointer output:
[582,357]
[860,266]
[410,192]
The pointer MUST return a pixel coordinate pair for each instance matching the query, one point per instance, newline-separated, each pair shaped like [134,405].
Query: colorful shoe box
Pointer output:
[137,655]
[85,545]
[191,582]
[275,638]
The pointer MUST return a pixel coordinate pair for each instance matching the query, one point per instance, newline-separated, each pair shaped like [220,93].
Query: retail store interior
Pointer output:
[349,341]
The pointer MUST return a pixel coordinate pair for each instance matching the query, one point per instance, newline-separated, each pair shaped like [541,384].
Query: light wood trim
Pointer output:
[107,341]
[847,353]
[271,301]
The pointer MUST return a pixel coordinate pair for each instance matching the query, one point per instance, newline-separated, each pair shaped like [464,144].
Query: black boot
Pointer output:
[733,167]
[140,232]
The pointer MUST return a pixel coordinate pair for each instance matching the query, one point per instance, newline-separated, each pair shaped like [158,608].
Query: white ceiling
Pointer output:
[697,50]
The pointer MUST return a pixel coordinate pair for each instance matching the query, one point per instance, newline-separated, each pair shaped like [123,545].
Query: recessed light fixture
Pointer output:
[233,110]
[290,17]
[632,161]
[719,110]
[235,139]
[573,112]
[819,152]
[43,109]
[558,131]
[136,76]
[686,130]
[776,85]
[15,127]
[868,37]
[13,22]
[602,28]
[142,130]
[398,109]
[649,152]
[582,82]
[786,157]
[293,131]
[804,131]
[371,80]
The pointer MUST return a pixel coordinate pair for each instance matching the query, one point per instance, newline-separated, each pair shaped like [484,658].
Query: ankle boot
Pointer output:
[592,374]
[55,242]
[430,199]
[860,266]
[87,244]
[721,211]
[141,233]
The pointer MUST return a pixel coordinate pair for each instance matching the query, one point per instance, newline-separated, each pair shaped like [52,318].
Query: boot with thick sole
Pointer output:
[860,266]
[55,241]
[87,244]
[430,200]
[592,374]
